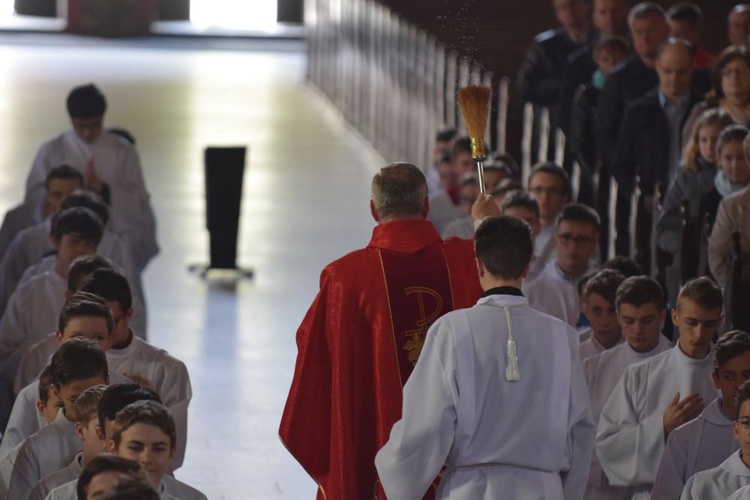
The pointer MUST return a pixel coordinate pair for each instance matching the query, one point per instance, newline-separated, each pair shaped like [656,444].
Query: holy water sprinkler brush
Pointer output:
[474,102]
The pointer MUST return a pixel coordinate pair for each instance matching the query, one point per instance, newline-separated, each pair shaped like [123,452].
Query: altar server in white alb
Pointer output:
[734,472]
[554,291]
[497,395]
[76,366]
[110,166]
[140,361]
[598,305]
[640,306]
[705,442]
[658,395]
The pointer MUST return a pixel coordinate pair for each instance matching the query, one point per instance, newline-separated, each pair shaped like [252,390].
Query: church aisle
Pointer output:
[305,203]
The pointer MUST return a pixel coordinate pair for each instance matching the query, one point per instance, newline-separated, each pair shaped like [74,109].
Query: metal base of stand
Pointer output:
[202,270]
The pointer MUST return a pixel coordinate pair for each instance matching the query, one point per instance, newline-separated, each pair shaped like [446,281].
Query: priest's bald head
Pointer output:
[399,192]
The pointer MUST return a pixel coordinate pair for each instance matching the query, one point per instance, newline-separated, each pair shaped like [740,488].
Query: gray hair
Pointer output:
[645,9]
[399,190]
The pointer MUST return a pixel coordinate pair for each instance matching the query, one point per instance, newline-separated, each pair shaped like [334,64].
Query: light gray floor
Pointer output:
[305,203]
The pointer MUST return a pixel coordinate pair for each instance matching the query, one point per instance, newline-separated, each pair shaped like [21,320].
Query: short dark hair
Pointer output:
[605,283]
[551,168]
[686,12]
[106,463]
[624,265]
[578,212]
[645,9]
[704,292]
[640,290]
[78,359]
[446,134]
[614,43]
[111,285]
[88,199]
[82,266]
[743,394]
[131,488]
[85,304]
[124,133]
[118,396]
[506,159]
[520,198]
[729,346]
[399,190]
[79,220]
[63,172]
[86,101]
[504,246]
[461,145]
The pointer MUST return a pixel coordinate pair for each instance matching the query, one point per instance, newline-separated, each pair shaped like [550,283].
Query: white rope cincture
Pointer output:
[512,372]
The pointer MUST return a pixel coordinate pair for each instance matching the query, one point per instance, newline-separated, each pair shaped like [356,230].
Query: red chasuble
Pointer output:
[359,343]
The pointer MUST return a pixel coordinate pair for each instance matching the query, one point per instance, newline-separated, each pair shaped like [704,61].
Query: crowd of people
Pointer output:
[487,346]
[88,407]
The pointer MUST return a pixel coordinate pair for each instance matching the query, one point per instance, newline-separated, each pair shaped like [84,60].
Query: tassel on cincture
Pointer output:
[512,371]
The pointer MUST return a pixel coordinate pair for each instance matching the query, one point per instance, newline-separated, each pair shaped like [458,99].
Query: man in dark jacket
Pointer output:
[650,141]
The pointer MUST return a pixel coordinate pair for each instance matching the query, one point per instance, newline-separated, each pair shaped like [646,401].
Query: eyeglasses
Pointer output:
[568,238]
[744,422]
[549,191]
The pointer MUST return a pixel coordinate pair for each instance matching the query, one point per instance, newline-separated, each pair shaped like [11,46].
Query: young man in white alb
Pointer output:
[658,395]
[640,312]
[468,404]
[706,441]
[87,421]
[598,306]
[76,366]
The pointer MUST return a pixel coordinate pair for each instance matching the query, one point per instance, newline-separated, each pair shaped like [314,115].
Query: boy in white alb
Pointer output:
[24,419]
[33,308]
[38,355]
[110,166]
[598,305]
[86,428]
[734,472]
[144,432]
[640,311]
[554,290]
[99,476]
[138,360]
[48,406]
[656,396]
[705,442]
[114,399]
[468,404]
[76,366]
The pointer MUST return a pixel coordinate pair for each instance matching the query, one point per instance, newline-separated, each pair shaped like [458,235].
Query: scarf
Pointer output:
[724,184]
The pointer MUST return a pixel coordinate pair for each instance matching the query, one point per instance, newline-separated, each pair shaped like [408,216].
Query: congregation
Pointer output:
[492,346]
[88,407]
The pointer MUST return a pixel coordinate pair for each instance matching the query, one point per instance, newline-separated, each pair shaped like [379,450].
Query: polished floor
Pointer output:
[305,203]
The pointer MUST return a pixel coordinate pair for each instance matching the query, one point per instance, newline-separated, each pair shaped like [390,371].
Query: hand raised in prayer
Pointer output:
[93,183]
[681,411]
[485,206]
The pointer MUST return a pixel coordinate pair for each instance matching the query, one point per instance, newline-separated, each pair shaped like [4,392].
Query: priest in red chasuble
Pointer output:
[362,336]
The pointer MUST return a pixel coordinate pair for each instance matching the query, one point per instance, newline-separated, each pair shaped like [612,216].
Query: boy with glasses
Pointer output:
[550,185]
[694,449]
[554,291]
